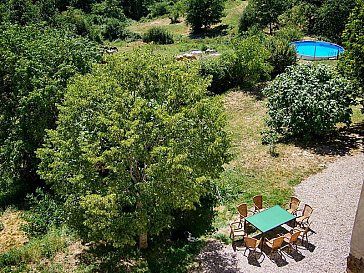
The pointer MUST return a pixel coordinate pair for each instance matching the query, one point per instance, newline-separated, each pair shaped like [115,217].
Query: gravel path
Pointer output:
[334,195]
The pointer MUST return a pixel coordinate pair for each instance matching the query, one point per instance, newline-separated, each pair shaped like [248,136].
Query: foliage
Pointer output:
[158,35]
[44,213]
[36,65]
[281,52]
[300,15]
[203,13]
[308,101]
[159,8]
[74,20]
[19,259]
[245,65]
[135,140]
[248,19]
[136,9]
[262,13]
[177,10]
[115,29]
[351,62]
[331,18]
[289,33]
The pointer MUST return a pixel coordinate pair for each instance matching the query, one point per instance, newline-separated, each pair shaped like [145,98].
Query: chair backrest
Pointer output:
[258,201]
[251,242]
[277,242]
[294,237]
[307,211]
[243,210]
[294,203]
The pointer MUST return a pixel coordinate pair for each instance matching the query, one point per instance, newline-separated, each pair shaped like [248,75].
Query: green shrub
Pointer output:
[289,33]
[159,9]
[247,19]
[222,70]
[245,65]
[308,101]
[282,54]
[44,213]
[114,29]
[17,259]
[158,35]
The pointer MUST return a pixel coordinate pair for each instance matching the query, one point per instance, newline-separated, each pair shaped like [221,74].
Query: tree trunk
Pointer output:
[143,241]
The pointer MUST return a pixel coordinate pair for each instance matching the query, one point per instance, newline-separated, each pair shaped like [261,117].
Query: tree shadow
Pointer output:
[220,30]
[339,143]
[213,260]
[255,91]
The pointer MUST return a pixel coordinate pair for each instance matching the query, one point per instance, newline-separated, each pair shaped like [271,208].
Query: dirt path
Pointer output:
[334,195]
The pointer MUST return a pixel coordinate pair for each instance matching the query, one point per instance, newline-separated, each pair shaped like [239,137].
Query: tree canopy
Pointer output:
[262,13]
[135,140]
[308,101]
[352,61]
[35,67]
[204,13]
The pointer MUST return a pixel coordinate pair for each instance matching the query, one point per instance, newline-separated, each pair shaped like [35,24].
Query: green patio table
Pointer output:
[270,218]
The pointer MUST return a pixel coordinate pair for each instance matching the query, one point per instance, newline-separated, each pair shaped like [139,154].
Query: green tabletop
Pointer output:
[270,218]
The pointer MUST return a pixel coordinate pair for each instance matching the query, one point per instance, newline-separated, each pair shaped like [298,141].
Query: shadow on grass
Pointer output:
[173,251]
[255,91]
[213,260]
[221,30]
[161,257]
[339,143]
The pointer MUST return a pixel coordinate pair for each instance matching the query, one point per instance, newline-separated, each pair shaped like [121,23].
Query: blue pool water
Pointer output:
[317,49]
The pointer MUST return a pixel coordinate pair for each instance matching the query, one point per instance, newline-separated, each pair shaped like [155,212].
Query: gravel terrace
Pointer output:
[334,195]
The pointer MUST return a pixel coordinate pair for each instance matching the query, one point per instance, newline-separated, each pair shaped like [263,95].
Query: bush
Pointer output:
[18,259]
[308,101]
[245,65]
[159,9]
[114,29]
[247,19]
[158,35]
[289,33]
[222,71]
[204,13]
[282,54]
[44,213]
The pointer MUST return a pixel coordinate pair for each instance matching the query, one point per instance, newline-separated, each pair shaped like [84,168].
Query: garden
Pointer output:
[129,160]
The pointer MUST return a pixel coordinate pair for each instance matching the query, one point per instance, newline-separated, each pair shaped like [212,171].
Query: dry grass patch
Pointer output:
[178,29]
[246,122]
[12,235]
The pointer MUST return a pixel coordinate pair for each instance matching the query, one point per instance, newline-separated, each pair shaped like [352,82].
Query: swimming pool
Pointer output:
[317,50]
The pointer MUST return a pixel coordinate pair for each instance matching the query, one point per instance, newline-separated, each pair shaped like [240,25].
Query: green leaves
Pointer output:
[308,101]
[136,139]
[351,62]
[36,65]
[204,13]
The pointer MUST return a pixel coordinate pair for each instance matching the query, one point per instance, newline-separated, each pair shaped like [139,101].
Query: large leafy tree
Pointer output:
[308,101]
[352,61]
[331,18]
[136,140]
[263,13]
[203,13]
[35,67]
